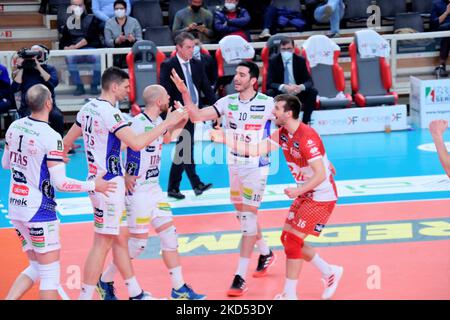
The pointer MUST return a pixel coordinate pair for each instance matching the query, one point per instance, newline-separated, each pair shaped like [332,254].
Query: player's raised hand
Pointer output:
[175,116]
[292,192]
[179,83]
[438,127]
[103,186]
[217,135]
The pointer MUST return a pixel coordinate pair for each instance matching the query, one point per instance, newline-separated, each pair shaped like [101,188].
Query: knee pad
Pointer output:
[169,239]
[32,271]
[249,224]
[292,245]
[136,246]
[49,274]
[160,221]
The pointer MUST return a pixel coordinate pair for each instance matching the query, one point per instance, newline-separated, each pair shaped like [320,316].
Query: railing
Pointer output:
[108,53]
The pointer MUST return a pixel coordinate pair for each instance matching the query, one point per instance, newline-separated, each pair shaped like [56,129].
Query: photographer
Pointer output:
[32,68]
[7,100]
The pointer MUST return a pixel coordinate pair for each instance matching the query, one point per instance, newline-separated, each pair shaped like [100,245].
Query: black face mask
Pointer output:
[195,8]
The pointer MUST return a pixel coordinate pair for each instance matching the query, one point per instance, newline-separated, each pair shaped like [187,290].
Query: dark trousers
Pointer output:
[56,118]
[445,49]
[308,100]
[183,160]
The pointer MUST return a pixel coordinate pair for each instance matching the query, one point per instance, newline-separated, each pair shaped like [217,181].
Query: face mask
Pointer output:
[286,55]
[120,13]
[230,6]
[195,8]
[197,52]
[78,11]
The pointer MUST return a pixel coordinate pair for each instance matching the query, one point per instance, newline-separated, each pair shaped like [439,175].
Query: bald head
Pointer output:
[37,96]
[155,94]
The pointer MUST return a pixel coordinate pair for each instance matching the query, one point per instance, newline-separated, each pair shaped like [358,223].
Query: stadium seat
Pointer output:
[271,48]
[148,13]
[422,6]
[161,35]
[239,49]
[370,73]
[287,4]
[322,56]
[356,10]
[144,62]
[389,8]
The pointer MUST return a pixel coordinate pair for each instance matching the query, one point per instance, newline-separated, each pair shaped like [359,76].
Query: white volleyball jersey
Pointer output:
[99,121]
[248,121]
[147,162]
[31,143]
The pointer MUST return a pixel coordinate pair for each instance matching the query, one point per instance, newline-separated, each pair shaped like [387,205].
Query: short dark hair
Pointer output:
[36,97]
[122,2]
[253,68]
[179,39]
[286,40]
[113,74]
[292,104]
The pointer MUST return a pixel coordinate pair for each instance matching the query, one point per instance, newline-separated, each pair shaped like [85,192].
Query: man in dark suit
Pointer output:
[192,71]
[294,78]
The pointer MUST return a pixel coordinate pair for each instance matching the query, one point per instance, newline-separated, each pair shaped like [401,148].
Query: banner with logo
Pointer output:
[429,100]
[355,120]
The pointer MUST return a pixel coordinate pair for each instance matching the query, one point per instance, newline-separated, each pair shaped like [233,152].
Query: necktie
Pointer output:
[287,79]
[190,83]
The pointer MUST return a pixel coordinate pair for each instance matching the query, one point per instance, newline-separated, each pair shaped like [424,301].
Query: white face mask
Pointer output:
[77,10]
[230,6]
[197,53]
[120,13]
[286,55]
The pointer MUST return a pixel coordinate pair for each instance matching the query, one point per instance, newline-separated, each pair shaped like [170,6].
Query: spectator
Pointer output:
[104,10]
[7,100]
[208,62]
[196,20]
[440,21]
[331,11]
[281,17]
[232,20]
[193,73]
[295,78]
[40,72]
[121,31]
[85,35]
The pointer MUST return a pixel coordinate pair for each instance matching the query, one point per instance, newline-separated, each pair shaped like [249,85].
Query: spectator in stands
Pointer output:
[232,20]
[81,35]
[105,9]
[208,62]
[121,31]
[440,21]
[193,73]
[7,101]
[281,17]
[295,78]
[37,71]
[330,11]
[196,20]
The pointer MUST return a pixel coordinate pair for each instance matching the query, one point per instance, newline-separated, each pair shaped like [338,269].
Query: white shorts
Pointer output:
[109,209]
[247,184]
[40,237]
[143,207]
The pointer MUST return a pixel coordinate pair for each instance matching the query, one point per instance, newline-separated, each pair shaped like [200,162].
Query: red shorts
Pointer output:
[309,216]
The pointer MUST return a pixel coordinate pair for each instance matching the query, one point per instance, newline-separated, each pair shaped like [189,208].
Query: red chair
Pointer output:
[144,61]
[371,79]
[328,79]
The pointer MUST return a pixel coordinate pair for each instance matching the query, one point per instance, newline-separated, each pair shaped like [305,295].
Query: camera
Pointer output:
[39,51]
[28,58]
